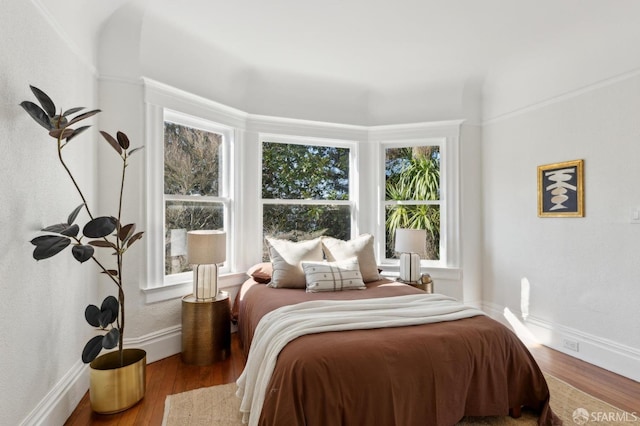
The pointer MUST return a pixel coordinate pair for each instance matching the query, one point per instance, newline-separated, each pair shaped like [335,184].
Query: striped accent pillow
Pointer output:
[333,276]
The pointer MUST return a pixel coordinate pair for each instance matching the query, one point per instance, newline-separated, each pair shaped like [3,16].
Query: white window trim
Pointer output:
[156,286]
[315,141]
[446,135]
[442,202]
[247,129]
[223,197]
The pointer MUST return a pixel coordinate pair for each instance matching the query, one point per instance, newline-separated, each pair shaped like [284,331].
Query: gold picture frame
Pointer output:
[561,189]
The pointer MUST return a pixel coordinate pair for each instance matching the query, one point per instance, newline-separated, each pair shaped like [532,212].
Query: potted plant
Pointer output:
[117,378]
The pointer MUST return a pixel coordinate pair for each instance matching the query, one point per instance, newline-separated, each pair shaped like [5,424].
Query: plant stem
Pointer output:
[120,253]
[84,201]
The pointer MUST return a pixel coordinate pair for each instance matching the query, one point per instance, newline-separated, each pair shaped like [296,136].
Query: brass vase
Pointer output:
[113,388]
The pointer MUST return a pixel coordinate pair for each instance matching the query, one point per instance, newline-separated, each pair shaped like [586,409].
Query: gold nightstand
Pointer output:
[425,283]
[206,329]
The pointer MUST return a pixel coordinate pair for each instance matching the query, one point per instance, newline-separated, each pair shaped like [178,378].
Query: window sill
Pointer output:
[180,289]
[437,273]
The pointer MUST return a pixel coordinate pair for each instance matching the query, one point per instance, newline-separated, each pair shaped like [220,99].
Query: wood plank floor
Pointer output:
[170,376]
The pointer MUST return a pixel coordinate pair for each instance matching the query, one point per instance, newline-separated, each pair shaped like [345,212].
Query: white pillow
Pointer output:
[333,276]
[360,247]
[286,257]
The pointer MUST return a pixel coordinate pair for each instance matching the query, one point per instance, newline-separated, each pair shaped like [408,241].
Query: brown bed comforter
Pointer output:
[431,374]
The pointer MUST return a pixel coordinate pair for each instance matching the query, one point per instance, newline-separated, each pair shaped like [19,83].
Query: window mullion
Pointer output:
[287,201]
[196,198]
[412,202]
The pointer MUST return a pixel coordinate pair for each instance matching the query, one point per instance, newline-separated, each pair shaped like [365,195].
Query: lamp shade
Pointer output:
[411,241]
[206,247]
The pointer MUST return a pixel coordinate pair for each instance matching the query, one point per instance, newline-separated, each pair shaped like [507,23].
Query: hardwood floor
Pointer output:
[170,375]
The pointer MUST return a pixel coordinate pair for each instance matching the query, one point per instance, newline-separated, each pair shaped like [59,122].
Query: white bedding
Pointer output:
[287,323]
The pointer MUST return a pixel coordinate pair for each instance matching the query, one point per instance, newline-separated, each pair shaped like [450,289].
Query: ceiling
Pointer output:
[382,45]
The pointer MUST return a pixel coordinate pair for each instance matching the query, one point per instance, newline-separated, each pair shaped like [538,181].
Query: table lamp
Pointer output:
[410,243]
[205,250]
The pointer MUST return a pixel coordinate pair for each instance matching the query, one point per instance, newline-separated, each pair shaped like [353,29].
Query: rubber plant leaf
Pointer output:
[110,304]
[48,246]
[104,319]
[58,228]
[127,231]
[135,150]
[123,140]
[100,227]
[102,243]
[81,252]
[92,315]
[76,132]
[64,133]
[134,238]
[110,340]
[92,349]
[46,102]
[71,231]
[37,114]
[83,116]
[59,122]
[72,111]
[114,143]
[74,214]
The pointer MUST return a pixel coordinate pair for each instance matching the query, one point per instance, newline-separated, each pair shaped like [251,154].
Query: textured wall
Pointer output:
[43,303]
[583,272]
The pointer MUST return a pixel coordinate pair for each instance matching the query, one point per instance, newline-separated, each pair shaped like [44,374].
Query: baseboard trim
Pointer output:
[159,344]
[604,353]
[59,403]
[56,407]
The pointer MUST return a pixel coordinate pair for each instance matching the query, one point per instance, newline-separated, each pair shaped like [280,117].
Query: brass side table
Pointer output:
[206,329]
[425,283]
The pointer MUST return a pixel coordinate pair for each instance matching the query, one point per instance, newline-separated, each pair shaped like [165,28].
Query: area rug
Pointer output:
[219,406]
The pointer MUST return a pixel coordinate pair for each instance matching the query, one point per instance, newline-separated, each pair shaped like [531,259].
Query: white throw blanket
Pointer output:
[279,327]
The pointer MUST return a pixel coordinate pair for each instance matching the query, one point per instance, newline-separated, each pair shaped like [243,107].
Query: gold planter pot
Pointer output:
[113,388]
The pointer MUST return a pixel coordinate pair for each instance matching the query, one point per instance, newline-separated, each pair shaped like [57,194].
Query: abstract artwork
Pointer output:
[560,189]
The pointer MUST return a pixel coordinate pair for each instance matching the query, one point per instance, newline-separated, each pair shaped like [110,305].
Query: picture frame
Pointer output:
[561,189]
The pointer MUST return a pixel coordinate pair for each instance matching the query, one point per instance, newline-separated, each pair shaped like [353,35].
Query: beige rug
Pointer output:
[219,406]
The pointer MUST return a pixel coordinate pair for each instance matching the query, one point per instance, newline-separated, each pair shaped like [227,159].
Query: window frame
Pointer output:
[352,201]
[154,286]
[441,202]
[366,181]
[223,198]
[447,136]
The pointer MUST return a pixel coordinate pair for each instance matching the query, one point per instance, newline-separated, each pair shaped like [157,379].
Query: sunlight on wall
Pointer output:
[518,326]
[525,288]
[521,330]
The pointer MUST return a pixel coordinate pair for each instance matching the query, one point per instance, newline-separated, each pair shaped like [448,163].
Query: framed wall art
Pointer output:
[561,189]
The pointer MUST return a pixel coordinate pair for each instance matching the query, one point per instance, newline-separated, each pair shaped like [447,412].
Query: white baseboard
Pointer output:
[56,407]
[159,344]
[604,353]
[62,399]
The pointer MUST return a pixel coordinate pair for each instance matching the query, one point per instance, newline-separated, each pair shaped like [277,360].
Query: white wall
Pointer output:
[43,303]
[583,272]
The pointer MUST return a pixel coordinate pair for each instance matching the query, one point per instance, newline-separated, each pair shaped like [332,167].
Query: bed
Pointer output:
[425,374]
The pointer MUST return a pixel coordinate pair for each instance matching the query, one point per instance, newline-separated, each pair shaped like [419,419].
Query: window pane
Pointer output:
[414,217]
[412,173]
[183,216]
[191,160]
[301,172]
[305,222]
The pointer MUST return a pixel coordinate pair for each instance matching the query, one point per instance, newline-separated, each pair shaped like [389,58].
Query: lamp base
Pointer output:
[205,281]
[409,267]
